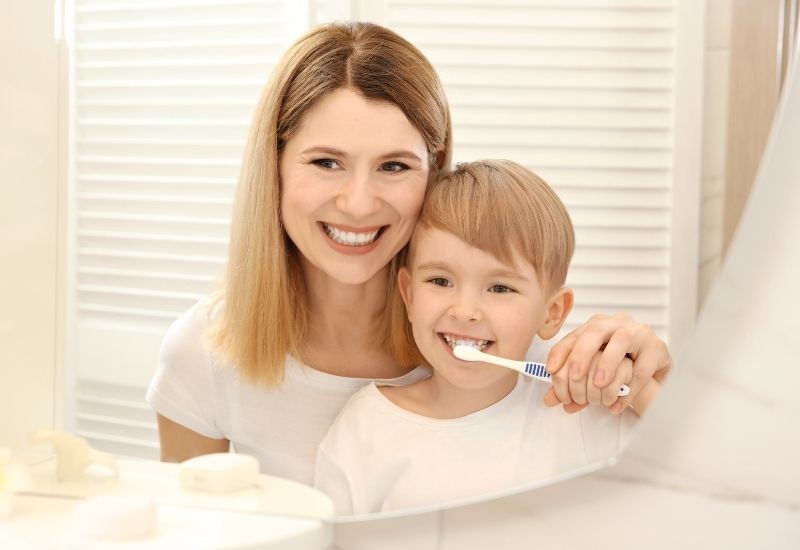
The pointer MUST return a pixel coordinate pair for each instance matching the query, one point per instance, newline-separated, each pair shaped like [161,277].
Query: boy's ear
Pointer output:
[558,307]
[404,285]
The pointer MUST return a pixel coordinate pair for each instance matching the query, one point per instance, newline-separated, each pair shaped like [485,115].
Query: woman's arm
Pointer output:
[179,443]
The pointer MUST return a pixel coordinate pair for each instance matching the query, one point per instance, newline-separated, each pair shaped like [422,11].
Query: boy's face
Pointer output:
[455,293]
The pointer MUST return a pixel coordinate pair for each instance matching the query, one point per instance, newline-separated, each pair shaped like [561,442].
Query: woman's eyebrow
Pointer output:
[402,153]
[324,150]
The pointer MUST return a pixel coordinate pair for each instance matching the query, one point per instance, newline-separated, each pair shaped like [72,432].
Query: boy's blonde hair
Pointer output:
[265,314]
[501,207]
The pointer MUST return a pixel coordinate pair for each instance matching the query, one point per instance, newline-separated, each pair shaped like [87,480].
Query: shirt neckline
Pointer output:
[297,370]
[443,423]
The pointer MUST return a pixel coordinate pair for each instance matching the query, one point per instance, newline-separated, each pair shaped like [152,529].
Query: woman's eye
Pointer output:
[501,289]
[439,281]
[394,166]
[328,164]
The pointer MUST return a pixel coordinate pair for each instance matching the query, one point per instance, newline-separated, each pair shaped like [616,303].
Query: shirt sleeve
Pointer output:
[182,388]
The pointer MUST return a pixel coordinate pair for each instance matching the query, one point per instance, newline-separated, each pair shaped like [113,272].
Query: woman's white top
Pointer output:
[379,457]
[281,427]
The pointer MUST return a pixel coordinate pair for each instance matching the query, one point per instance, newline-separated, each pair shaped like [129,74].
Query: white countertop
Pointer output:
[41,522]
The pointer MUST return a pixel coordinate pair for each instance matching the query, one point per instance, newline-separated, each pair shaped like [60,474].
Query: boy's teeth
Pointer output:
[350,238]
[477,344]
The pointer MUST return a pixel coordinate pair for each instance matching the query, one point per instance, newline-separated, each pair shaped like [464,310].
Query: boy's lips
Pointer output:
[452,340]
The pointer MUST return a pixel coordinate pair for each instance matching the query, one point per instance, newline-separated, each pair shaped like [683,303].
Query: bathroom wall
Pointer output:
[747,43]
[29,217]
[715,128]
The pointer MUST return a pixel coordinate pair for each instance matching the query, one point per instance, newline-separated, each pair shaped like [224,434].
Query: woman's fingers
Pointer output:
[591,362]
[560,388]
[616,376]
[574,407]
[623,375]
[551,400]
[567,374]
[653,362]
[620,344]
[575,351]
[594,395]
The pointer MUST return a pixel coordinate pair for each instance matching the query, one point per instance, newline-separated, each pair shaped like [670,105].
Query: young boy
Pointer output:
[485,268]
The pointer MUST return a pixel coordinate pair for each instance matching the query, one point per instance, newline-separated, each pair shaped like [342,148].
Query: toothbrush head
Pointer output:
[467,353]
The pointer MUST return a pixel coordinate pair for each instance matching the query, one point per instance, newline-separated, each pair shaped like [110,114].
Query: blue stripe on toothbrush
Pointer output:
[536,369]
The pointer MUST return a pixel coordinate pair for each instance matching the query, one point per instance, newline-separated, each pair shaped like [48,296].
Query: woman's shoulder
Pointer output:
[186,340]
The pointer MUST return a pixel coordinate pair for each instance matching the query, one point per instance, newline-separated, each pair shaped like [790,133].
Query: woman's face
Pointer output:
[353,178]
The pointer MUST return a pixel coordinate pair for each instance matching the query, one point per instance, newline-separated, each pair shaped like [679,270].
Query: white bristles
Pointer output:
[468,353]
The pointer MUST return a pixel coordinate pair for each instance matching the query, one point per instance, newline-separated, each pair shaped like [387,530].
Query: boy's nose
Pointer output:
[465,310]
[358,197]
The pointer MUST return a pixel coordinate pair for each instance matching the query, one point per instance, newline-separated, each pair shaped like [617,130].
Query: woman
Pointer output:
[350,129]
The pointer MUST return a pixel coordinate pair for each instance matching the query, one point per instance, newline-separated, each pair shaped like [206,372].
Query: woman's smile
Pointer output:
[350,240]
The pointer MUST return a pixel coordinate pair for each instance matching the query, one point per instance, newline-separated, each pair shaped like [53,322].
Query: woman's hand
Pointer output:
[590,363]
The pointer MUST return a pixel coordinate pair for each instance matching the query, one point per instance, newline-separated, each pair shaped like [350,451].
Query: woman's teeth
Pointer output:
[453,342]
[350,238]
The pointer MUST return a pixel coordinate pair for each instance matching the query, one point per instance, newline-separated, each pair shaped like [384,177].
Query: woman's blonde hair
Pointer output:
[501,207]
[265,314]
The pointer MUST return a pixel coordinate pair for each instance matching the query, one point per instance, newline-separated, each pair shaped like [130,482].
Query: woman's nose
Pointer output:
[358,197]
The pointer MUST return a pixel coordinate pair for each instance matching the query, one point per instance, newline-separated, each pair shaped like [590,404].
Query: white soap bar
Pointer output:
[115,517]
[219,472]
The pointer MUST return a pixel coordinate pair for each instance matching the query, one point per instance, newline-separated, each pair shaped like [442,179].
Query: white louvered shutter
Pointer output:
[582,92]
[163,95]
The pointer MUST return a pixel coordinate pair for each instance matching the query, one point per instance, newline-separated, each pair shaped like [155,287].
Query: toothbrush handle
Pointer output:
[538,370]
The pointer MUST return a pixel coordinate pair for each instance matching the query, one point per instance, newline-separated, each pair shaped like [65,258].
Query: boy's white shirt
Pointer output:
[379,457]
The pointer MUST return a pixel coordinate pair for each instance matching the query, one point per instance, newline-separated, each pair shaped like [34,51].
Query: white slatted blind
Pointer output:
[582,92]
[163,95]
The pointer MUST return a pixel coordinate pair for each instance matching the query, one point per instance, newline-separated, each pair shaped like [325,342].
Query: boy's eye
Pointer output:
[439,281]
[328,164]
[394,166]
[501,289]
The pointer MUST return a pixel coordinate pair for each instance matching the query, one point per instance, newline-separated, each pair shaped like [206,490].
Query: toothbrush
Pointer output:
[534,370]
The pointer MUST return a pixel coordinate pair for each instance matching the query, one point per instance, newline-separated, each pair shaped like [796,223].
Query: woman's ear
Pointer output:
[404,285]
[558,307]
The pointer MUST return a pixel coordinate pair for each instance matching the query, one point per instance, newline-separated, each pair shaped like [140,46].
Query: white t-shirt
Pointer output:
[282,427]
[379,457]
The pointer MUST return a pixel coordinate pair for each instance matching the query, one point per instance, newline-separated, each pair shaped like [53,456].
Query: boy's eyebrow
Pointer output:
[504,273]
[508,274]
[433,266]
